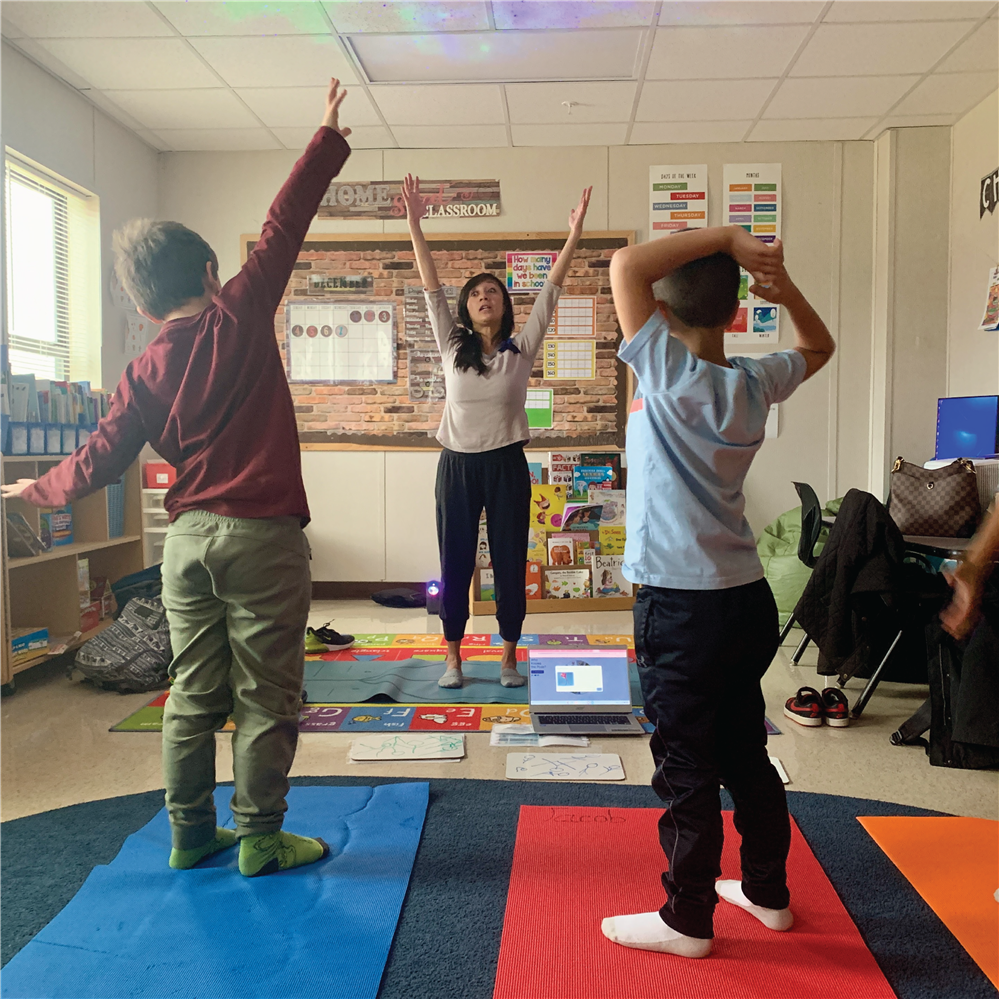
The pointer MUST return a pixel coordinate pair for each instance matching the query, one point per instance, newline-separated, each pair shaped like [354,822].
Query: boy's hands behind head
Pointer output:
[763,260]
[334,98]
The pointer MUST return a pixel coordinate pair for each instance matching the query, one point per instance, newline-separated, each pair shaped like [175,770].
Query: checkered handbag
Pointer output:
[935,502]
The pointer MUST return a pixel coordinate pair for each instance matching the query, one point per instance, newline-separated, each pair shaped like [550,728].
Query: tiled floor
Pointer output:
[57,749]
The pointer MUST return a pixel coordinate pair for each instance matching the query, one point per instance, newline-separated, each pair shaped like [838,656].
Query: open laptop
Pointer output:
[581,691]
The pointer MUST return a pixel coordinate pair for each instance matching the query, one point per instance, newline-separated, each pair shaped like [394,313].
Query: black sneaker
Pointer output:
[333,640]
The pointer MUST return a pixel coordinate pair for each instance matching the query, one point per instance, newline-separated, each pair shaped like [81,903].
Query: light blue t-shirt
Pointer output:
[693,432]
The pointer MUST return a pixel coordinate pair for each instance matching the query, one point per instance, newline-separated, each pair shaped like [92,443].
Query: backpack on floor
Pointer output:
[132,655]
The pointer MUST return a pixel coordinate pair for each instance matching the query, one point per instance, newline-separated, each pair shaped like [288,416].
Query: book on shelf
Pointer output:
[547,504]
[611,540]
[611,459]
[561,550]
[534,470]
[561,584]
[581,516]
[561,465]
[608,577]
[483,557]
[613,503]
[537,545]
[584,476]
[487,585]
[581,541]
[532,581]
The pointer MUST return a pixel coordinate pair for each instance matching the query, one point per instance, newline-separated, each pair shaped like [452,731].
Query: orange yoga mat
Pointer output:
[573,866]
[954,864]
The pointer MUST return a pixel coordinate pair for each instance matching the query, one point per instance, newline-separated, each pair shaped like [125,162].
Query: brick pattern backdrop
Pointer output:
[588,412]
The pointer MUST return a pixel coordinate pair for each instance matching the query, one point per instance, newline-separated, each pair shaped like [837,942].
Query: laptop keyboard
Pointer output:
[583,719]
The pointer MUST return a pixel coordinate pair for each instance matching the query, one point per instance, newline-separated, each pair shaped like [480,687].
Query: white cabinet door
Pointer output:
[410,519]
[346,492]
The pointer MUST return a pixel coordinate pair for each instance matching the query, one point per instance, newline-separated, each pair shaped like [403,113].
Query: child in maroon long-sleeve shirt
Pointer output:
[211,396]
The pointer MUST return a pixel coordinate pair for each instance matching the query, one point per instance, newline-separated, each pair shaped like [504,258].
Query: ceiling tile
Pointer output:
[290,17]
[499,55]
[281,61]
[702,100]
[94,19]
[118,63]
[300,107]
[723,53]
[449,137]
[753,12]
[471,104]
[980,53]
[364,137]
[646,133]
[951,93]
[876,49]
[217,139]
[188,109]
[533,103]
[554,14]
[810,129]
[905,10]
[837,96]
[349,16]
[569,135]
[8,28]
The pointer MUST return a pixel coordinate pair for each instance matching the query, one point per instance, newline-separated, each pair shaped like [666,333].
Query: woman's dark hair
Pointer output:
[464,339]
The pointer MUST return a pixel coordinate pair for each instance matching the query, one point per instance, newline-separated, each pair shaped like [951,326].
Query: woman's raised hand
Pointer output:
[415,208]
[578,213]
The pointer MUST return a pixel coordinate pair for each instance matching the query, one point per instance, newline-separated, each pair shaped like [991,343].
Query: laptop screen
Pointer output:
[967,426]
[579,677]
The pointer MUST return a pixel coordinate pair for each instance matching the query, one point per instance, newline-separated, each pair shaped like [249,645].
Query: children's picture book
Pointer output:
[483,558]
[537,545]
[990,319]
[613,505]
[567,583]
[611,540]
[487,586]
[589,554]
[584,476]
[547,504]
[582,516]
[532,582]
[561,550]
[608,577]
[534,470]
[581,542]
[561,465]
[605,458]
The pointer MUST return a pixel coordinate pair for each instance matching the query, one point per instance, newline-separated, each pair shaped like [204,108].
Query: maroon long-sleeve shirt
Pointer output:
[210,393]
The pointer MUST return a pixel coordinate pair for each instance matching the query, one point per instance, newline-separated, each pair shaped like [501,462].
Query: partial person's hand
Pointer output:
[415,208]
[961,614]
[10,490]
[334,98]
[762,260]
[578,214]
[778,289]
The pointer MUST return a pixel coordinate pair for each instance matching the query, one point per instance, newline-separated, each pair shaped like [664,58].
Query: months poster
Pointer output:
[341,341]
[752,200]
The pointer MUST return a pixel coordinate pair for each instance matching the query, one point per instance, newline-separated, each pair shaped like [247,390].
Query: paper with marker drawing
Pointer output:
[564,766]
[411,746]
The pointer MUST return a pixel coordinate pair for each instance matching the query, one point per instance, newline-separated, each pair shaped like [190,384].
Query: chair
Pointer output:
[811,528]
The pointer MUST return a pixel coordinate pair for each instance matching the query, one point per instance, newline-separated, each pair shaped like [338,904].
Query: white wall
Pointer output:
[972,355]
[50,123]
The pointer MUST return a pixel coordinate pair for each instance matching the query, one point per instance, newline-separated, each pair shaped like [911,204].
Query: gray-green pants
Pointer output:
[237,597]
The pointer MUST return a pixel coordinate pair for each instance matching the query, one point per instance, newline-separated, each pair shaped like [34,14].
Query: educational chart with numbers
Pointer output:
[341,341]
[570,359]
[424,372]
[678,198]
[752,200]
[575,315]
[540,407]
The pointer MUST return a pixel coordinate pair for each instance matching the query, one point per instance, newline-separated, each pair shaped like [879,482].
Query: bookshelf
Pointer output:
[42,591]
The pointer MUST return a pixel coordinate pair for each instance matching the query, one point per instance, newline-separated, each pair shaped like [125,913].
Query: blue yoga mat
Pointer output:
[139,929]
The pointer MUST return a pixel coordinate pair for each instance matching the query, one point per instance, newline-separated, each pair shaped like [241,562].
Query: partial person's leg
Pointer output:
[261,569]
[200,699]
[459,504]
[760,801]
[508,513]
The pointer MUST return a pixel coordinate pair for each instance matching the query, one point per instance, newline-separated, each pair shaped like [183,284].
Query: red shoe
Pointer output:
[835,707]
[805,707]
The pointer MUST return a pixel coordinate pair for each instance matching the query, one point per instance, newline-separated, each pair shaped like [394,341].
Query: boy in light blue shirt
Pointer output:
[705,619]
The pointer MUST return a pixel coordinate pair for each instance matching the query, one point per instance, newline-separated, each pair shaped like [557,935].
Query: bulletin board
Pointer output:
[589,387]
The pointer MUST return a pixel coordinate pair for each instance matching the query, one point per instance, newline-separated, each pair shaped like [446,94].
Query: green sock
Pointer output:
[268,853]
[183,859]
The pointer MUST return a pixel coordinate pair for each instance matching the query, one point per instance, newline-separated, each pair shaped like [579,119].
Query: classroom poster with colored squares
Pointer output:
[678,198]
[341,341]
[752,200]
[528,271]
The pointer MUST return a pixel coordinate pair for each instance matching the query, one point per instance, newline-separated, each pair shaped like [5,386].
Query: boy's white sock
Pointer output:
[647,931]
[772,919]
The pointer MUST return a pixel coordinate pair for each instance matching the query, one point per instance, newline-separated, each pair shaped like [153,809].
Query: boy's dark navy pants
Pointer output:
[701,655]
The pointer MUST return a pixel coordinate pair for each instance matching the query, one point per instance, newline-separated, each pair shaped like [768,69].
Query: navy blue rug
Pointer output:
[447,941]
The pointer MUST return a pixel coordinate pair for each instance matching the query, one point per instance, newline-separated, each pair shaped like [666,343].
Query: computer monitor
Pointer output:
[968,426]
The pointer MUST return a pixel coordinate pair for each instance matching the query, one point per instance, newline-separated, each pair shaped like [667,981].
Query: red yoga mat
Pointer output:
[574,866]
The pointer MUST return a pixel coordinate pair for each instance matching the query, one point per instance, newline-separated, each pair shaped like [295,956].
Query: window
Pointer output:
[53,276]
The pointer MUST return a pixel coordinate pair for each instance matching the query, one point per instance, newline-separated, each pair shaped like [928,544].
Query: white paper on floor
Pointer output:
[524,735]
[780,770]
[564,766]
[412,746]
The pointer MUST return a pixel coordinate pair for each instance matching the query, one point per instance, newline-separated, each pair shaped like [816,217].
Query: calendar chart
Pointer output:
[570,359]
[341,341]
[575,315]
